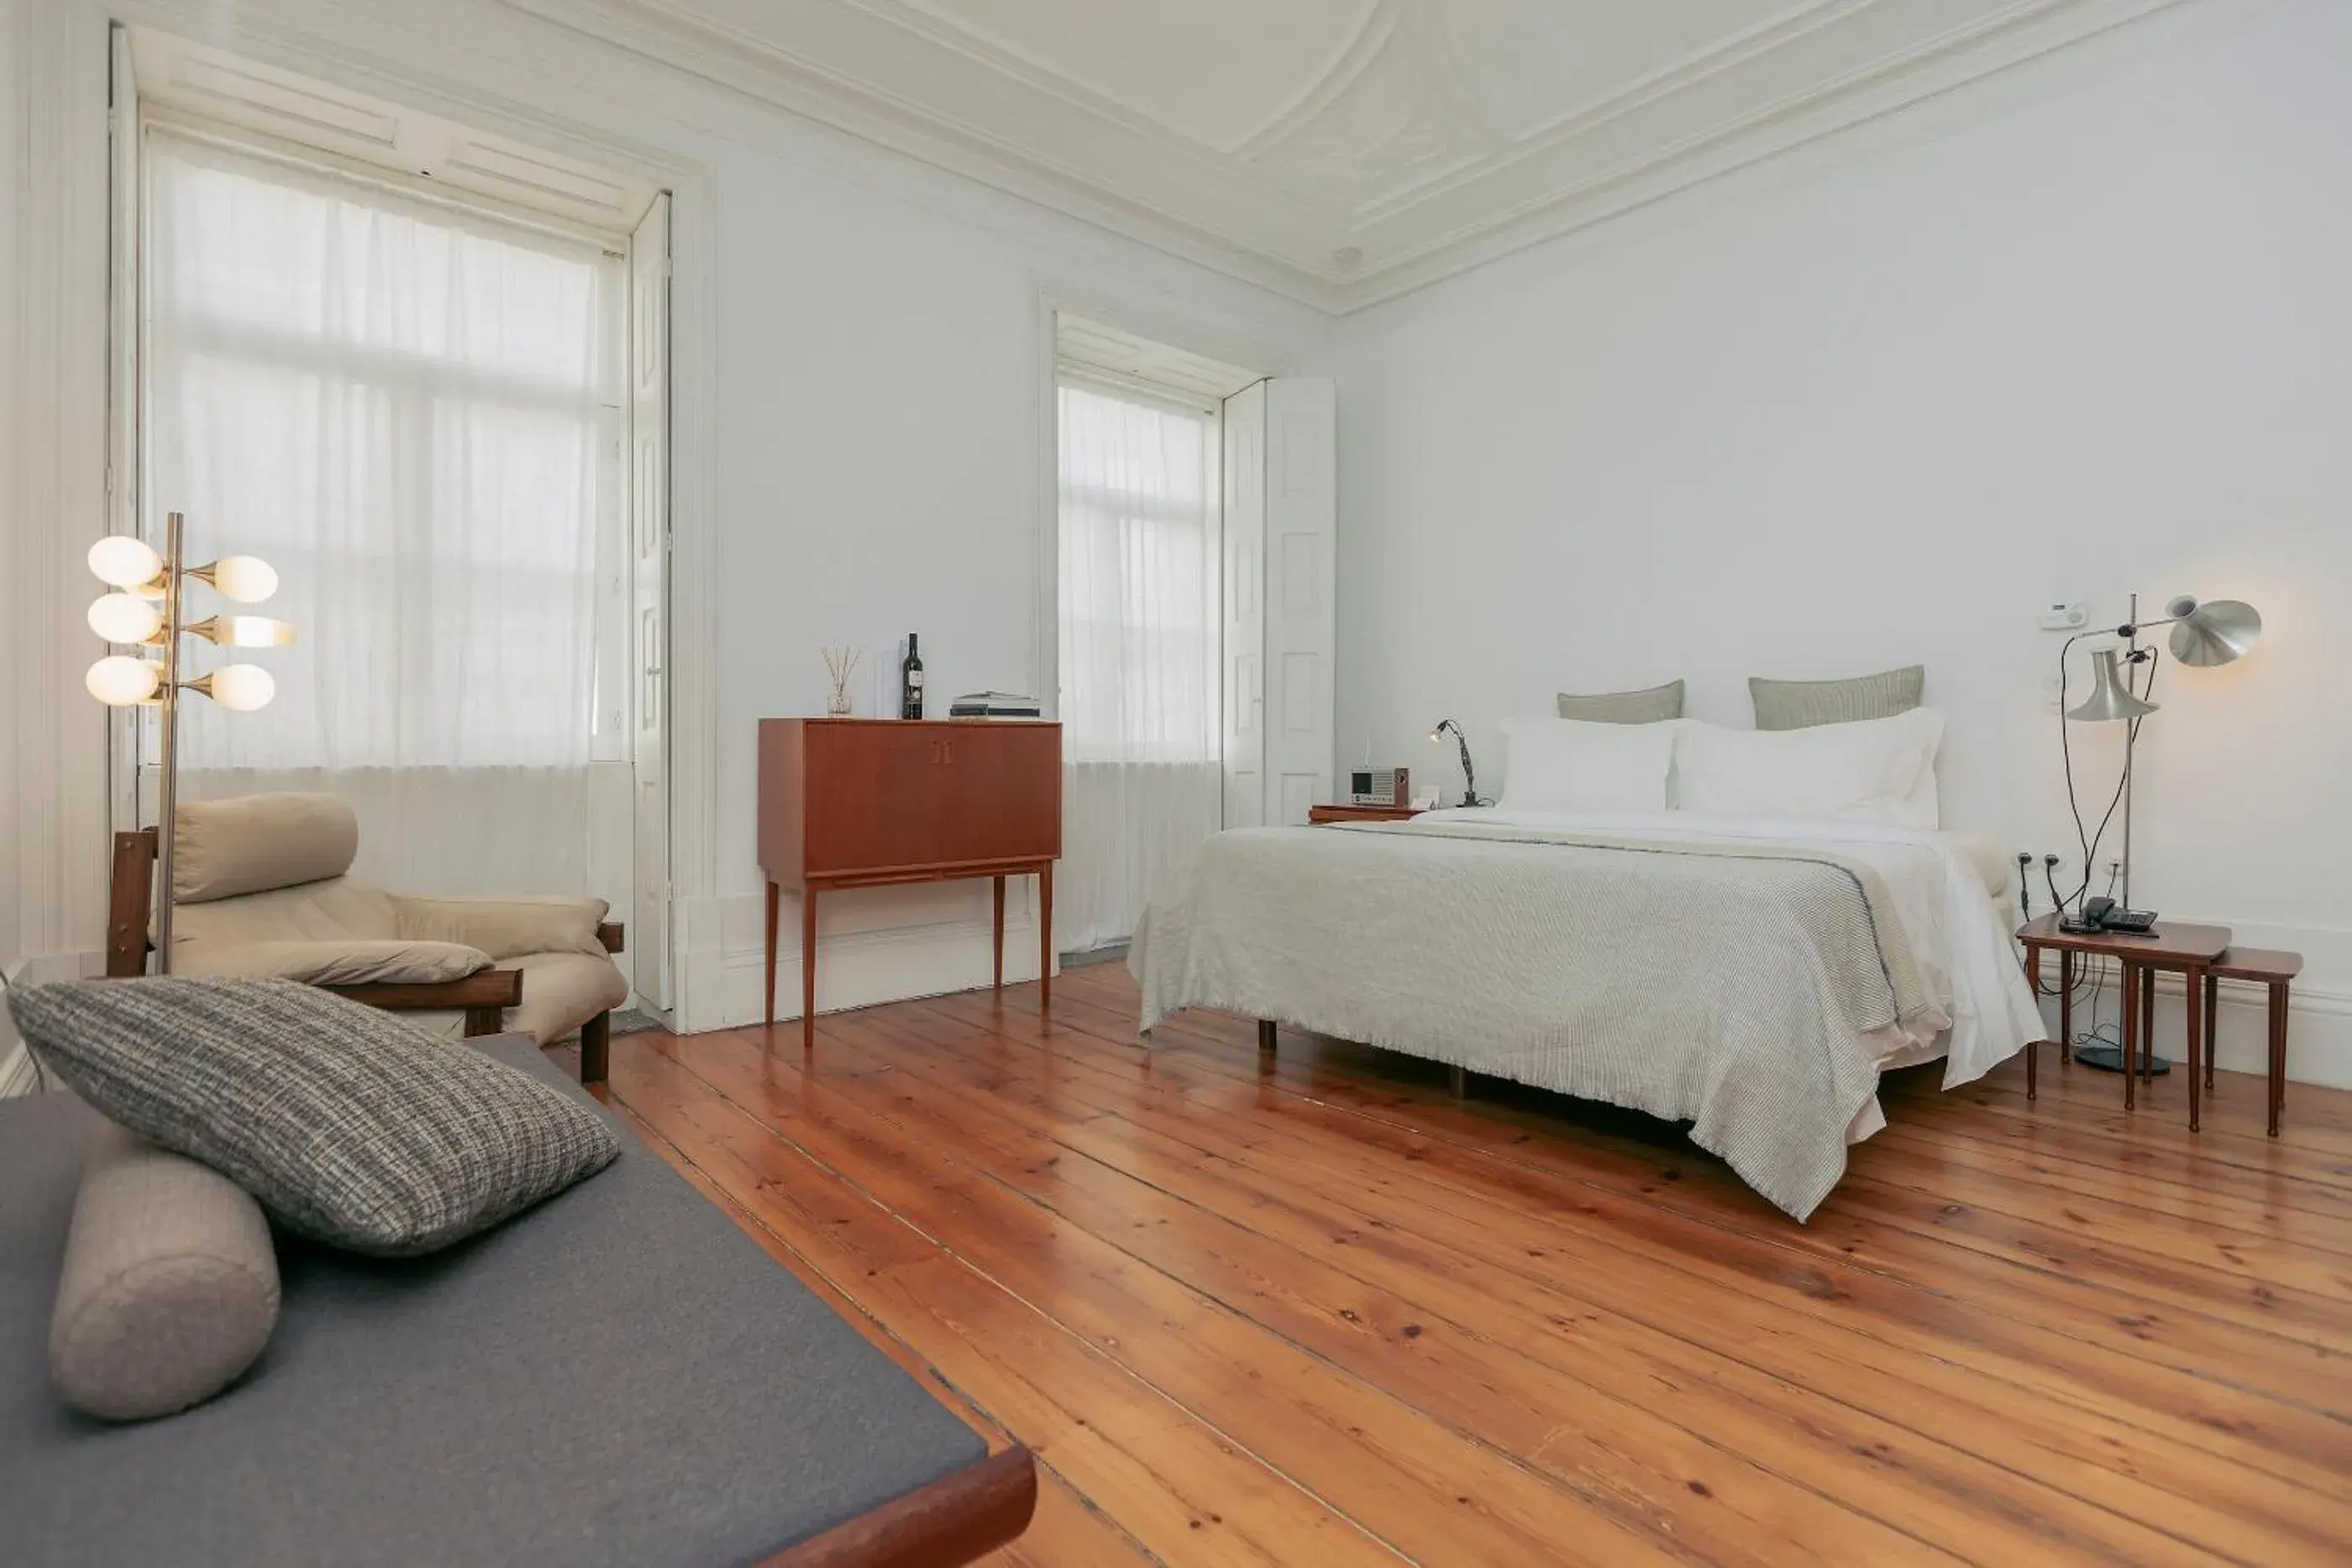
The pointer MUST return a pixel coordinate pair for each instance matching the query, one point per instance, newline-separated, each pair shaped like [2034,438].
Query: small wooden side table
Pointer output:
[2188,950]
[1321,815]
[2275,971]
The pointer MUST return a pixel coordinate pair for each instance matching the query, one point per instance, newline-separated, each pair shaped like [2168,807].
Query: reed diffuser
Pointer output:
[839,662]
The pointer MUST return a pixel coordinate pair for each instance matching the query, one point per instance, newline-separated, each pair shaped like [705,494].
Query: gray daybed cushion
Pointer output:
[1653,705]
[619,1377]
[351,1125]
[169,1287]
[1801,705]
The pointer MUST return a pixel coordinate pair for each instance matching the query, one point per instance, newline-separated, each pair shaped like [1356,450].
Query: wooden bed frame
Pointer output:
[483,997]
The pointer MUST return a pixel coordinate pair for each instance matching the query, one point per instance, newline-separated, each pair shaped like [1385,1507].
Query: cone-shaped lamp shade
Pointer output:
[2214,633]
[123,561]
[119,680]
[125,618]
[2111,696]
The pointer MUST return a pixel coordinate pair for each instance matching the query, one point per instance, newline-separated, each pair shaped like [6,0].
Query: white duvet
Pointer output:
[1958,934]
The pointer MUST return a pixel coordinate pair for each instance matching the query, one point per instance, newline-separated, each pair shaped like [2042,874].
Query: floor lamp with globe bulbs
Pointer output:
[146,611]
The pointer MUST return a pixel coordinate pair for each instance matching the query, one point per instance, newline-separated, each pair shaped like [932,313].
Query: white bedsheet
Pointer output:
[1937,880]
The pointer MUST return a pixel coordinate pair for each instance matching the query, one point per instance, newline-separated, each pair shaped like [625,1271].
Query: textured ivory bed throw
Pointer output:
[1728,986]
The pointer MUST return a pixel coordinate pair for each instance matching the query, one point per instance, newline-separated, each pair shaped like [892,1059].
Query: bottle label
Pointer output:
[914,679]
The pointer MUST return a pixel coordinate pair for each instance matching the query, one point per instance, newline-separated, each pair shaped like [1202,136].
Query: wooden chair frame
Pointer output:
[483,997]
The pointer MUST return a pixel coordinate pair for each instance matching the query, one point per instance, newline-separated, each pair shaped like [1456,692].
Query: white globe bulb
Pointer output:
[247,578]
[119,679]
[125,618]
[125,561]
[243,687]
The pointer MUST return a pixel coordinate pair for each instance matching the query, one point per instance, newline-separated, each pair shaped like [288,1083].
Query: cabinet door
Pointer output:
[874,796]
[1004,791]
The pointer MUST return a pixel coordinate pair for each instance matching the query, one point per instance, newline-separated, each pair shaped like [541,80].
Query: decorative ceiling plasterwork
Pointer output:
[1340,150]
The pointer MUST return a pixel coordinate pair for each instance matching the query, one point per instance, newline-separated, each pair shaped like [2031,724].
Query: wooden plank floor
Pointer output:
[1323,1314]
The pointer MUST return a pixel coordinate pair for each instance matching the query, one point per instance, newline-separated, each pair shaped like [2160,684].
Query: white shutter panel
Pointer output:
[648,520]
[1300,519]
[125,323]
[1244,608]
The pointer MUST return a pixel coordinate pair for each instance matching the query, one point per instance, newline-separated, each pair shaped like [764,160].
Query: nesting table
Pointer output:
[2179,947]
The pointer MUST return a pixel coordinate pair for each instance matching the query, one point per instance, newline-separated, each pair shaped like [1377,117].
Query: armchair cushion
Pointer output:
[256,842]
[337,909]
[330,962]
[504,927]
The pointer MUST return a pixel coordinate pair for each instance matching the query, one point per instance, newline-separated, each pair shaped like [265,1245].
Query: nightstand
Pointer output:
[2190,951]
[1320,815]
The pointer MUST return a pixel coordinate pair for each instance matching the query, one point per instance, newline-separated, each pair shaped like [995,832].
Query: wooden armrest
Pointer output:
[609,933]
[955,1520]
[489,988]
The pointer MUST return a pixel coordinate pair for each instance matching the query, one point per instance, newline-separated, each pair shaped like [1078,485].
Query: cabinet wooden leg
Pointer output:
[771,954]
[1265,1039]
[2212,1017]
[1045,940]
[1458,1080]
[999,900]
[2147,1023]
[808,968]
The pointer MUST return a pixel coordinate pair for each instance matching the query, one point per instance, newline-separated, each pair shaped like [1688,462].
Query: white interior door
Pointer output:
[1243,655]
[648,494]
[125,331]
[1300,519]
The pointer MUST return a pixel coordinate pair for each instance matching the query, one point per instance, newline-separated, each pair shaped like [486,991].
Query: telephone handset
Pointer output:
[2106,915]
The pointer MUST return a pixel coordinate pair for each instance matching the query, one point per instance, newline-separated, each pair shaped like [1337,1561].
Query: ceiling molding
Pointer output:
[1393,166]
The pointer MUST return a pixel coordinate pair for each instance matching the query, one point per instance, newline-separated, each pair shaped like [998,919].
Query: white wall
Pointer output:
[2075,331]
[53,812]
[862,385]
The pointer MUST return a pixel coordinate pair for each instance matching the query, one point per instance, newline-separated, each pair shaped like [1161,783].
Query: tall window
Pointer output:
[1139,593]
[413,414]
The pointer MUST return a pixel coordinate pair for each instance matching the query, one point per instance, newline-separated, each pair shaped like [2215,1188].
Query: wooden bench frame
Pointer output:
[483,996]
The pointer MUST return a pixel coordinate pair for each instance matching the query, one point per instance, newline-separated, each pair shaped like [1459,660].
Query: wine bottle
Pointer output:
[910,682]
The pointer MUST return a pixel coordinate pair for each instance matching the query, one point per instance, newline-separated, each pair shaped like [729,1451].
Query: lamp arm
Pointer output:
[1469,775]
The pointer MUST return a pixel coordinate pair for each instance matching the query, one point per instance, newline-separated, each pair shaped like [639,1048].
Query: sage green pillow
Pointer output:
[1801,705]
[1649,706]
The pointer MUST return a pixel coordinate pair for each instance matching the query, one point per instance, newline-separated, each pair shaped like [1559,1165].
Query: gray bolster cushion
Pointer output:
[170,1284]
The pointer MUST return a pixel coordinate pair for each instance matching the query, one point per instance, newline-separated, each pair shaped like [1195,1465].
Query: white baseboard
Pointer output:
[2320,1027]
[875,945]
[17,1073]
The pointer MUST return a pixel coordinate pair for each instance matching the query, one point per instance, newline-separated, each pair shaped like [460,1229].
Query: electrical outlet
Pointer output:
[2064,617]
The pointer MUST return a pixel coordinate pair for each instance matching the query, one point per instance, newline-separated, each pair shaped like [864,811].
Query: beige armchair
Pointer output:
[260,888]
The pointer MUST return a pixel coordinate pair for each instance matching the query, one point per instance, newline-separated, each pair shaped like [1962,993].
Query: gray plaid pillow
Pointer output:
[351,1126]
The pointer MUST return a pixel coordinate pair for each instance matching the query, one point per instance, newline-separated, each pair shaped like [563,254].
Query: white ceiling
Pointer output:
[1343,151]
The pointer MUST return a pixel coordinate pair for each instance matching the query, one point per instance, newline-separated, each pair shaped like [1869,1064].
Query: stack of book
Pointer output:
[994,704]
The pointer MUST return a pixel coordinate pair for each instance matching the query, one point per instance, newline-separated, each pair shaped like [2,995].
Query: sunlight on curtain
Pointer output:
[408,413]
[1142,784]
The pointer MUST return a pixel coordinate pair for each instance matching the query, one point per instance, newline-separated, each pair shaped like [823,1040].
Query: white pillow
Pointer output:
[1870,770]
[1567,765]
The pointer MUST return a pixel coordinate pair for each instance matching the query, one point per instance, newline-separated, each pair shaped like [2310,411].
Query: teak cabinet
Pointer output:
[870,802]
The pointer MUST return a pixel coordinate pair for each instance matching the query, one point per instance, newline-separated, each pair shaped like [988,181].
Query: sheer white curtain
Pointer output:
[409,413]
[1142,784]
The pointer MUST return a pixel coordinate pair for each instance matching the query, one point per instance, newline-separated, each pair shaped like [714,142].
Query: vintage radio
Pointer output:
[1380,786]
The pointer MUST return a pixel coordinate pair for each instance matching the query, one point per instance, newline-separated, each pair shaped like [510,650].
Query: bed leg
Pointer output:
[1458,1080]
[1265,1039]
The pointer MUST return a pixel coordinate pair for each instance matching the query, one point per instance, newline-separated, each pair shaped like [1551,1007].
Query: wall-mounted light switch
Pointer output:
[2064,618]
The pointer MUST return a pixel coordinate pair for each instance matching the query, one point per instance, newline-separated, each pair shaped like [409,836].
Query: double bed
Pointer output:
[1748,976]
